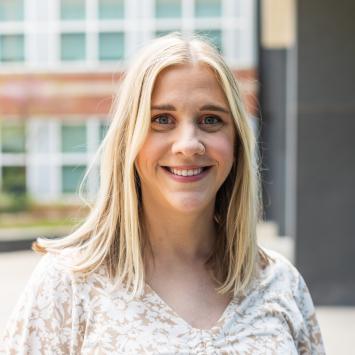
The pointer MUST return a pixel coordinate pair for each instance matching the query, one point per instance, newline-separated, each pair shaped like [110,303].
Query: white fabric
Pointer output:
[63,313]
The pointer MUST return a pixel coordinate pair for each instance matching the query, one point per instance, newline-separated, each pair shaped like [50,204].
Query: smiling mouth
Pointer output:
[186,172]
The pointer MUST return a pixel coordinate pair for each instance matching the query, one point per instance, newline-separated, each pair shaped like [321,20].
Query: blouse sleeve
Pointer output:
[309,340]
[46,318]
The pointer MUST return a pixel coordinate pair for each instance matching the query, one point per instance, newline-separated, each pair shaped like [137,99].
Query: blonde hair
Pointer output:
[113,234]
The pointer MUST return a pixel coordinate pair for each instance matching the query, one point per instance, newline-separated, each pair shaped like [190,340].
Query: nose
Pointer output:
[188,142]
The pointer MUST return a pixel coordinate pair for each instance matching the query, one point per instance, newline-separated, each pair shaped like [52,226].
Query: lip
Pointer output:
[193,178]
[186,167]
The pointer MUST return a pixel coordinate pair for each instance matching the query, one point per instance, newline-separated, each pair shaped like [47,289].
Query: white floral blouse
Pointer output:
[62,313]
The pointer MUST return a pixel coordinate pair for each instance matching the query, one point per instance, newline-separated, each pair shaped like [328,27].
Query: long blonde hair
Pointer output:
[112,234]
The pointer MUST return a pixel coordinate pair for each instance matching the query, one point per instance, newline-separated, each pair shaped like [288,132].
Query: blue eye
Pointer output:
[162,119]
[211,120]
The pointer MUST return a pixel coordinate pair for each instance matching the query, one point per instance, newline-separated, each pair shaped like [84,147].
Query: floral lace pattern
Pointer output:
[63,313]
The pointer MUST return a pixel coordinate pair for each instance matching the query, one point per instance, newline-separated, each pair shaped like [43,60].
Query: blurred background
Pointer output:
[60,65]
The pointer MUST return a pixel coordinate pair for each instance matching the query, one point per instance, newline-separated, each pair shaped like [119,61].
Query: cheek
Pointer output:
[223,148]
[149,154]
[141,159]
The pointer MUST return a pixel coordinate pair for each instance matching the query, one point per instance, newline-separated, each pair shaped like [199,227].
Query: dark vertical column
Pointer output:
[325,244]
[276,19]
[273,133]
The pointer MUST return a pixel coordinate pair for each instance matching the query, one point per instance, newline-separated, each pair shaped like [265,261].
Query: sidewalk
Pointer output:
[337,323]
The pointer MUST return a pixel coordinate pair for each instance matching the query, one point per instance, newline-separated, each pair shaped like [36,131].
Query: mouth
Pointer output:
[186,171]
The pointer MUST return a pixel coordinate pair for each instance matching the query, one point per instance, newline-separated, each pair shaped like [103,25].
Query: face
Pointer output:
[189,150]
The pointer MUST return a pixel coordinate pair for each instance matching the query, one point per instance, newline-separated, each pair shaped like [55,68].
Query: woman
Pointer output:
[167,261]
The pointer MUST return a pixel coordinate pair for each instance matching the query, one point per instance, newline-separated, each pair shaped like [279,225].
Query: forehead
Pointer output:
[187,79]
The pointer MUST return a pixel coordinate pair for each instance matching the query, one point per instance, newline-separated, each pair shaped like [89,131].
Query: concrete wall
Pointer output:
[325,244]
[307,95]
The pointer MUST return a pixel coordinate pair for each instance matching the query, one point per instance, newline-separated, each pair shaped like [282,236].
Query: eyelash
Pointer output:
[219,120]
[154,120]
[214,117]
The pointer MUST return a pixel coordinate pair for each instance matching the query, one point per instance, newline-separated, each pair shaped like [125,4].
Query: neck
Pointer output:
[179,238]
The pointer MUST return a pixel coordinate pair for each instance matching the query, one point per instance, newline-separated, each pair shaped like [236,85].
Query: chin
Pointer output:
[188,205]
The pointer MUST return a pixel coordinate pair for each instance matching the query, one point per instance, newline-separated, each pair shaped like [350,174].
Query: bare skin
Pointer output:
[178,274]
[189,290]
[178,216]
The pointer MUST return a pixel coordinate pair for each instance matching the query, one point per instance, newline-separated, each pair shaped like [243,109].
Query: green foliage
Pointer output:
[10,203]
[14,181]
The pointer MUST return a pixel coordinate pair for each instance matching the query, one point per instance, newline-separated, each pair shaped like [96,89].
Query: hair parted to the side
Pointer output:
[112,234]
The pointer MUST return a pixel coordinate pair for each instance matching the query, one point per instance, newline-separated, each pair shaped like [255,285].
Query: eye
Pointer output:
[211,123]
[162,120]
[211,120]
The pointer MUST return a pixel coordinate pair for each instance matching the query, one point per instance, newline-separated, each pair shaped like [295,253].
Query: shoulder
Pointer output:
[51,283]
[54,279]
[280,280]
[279,264]
[52,307]
[58,271]
[281,284]
[52,267]
[279,275]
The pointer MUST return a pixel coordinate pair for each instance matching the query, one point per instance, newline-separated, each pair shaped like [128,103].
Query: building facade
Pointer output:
[61,63]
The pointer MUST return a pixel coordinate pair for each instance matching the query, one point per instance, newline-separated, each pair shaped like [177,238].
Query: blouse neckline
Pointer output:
[216,327]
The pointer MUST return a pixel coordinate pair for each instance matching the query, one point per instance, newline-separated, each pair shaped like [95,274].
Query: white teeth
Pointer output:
[185,172]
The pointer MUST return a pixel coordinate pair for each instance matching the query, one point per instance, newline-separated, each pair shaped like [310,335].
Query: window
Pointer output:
[164,32]
[12,48]
[72,9]
[208,8]
[111,46]
[103,130]
[41,137]
[111,9]
[14,179]
[11,10]
[214,36]
[74,138]
[13,137]
[73,46]
[168,8]
[71,178]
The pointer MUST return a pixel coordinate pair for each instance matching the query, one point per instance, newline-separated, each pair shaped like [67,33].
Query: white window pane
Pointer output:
[74,138]
[73,46]
[71,178]
[111,9]
[12,48]
[208,8]
[168,8]
[165,32]
[103,130]
[72,9]
[111,46]
[214,36]
[11,10]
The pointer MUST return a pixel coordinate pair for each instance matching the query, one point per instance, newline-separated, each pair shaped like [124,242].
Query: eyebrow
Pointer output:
[207,107]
